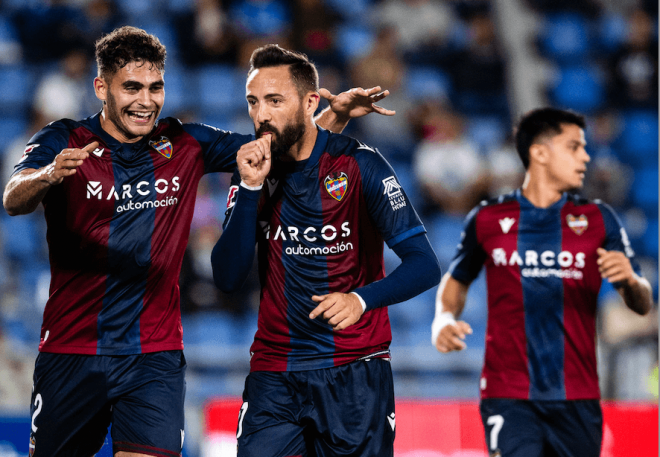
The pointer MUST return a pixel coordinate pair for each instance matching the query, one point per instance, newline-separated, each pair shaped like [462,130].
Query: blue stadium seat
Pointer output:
[612,31]
[354,40]
[178,93]
[180,6]
[638,141]
[444,233]
[263,18]
[565,38]
[427,82]
[221,89]
[651,238]
[486,131]
[8,32]
[16,89]
[137,9]
[580,88]
[350,8]
[23,244]
[211,327]
[12,127]
[645,190]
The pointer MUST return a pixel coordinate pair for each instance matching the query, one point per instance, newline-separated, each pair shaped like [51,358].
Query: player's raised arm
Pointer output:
[232,255]
[27,188]
[353,103]
[447,334]
[635,290]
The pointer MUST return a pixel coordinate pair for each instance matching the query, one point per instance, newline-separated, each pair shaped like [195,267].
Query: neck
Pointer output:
[302,149]
[540,192]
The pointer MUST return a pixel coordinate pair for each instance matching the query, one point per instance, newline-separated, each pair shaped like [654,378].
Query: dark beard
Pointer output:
[280,143]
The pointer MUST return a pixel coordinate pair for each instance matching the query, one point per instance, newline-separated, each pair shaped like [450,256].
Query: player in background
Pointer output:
[320,381]
[118,189]
[546,251]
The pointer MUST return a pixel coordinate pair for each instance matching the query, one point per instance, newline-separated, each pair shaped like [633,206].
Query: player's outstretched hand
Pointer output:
[357,102]
[614,266]
[253,160]
[452,336]
[340,310]
[66,162]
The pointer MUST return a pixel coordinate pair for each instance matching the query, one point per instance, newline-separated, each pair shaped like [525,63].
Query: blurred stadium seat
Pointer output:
[354,41]
[221,89]
[564,37]
[579,87]
[638,141]
[424,83]
[16,89]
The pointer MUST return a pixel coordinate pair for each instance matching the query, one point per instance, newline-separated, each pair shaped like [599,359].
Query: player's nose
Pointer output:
[263,114]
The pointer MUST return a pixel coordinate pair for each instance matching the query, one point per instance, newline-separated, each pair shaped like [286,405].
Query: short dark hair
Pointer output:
[125,45]
[541,122]
[303,72]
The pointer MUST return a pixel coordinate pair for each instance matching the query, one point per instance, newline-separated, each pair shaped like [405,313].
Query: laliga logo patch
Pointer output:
[336,185]
[577,224]
[28,149]
[163,146]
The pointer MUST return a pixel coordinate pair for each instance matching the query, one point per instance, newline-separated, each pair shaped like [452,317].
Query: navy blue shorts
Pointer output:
[344,410]
[75,398]
[525,428]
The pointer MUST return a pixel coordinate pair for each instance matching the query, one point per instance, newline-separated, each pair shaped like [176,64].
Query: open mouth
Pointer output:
[140,117]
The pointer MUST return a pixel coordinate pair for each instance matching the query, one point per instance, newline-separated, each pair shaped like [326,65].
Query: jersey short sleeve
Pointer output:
[616,238]
[386,200]
[44,146]
[470,256]
[219,147]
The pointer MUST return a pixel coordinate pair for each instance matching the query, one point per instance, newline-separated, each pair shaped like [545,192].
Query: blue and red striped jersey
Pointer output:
[542,284]
[117,232]
[322,225]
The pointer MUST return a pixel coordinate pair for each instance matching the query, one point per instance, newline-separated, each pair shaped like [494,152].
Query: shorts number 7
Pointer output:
[497,422]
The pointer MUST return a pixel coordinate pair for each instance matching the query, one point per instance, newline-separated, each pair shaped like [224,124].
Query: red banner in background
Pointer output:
[432,428]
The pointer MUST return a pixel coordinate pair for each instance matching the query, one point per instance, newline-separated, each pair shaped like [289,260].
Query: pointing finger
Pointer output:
[91,146]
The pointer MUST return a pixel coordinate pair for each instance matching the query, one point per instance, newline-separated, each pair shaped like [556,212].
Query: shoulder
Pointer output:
[55,133]
[339,144]
[596,205]
[500,203]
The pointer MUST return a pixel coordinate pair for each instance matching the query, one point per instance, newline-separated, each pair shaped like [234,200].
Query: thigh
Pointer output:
[573,428]
[512,428]
[270,422]
[148,392]
[353,409]
[69,409]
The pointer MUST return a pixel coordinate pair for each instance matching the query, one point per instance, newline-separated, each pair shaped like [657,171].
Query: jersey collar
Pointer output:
[109,140]
[524,203]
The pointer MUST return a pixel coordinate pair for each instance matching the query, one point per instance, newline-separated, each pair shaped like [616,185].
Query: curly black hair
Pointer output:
[125,45]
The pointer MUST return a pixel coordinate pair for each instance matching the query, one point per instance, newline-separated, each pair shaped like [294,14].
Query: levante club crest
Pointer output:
[163,146]
[336,184]
[577,224]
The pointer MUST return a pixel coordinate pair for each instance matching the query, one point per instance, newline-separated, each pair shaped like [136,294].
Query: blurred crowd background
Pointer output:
[460,72]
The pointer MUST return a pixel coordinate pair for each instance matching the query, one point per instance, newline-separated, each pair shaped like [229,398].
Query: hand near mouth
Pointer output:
[254,159]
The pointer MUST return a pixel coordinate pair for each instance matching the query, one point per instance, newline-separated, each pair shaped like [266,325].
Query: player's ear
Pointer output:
[311,103]
[100,88]
[539,153]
